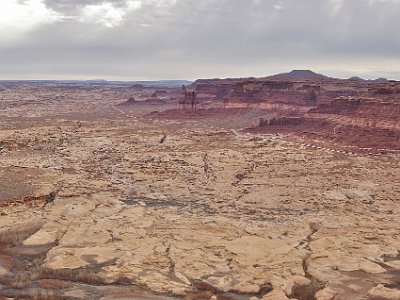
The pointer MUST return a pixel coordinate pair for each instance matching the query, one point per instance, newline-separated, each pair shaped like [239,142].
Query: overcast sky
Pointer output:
[190,39]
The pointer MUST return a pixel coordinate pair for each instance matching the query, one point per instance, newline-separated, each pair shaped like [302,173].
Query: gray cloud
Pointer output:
[69,7]
[208,38]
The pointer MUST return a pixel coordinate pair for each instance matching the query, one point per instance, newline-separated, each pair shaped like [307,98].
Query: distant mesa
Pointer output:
[295,75]
[298,75]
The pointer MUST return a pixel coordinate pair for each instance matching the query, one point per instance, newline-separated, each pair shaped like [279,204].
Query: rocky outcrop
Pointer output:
[281,121]
[381,292]
[130,101]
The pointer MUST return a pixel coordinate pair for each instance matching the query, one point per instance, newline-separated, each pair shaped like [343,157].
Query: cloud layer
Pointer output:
[156,39]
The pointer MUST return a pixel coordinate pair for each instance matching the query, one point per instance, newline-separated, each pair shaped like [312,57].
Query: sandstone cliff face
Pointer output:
[299,92]
[355,123]
[374,111]
[365,113]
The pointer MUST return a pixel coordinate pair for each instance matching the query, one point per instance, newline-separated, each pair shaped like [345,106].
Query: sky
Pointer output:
[190,39]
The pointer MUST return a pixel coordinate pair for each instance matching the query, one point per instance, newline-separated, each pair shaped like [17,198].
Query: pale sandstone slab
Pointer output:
[380,292]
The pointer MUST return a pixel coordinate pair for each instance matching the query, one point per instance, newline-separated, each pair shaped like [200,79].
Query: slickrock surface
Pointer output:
[98,202]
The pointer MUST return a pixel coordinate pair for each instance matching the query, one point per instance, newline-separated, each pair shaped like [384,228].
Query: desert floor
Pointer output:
[99,202]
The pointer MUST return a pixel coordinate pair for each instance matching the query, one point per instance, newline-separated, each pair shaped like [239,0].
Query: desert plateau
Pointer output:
[273,188]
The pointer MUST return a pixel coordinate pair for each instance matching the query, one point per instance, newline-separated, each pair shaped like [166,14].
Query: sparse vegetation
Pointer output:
[85,275]
[15,236]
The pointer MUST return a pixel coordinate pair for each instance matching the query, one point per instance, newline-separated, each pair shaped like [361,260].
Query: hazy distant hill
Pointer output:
[356,78]
[381,80]
[158,83]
